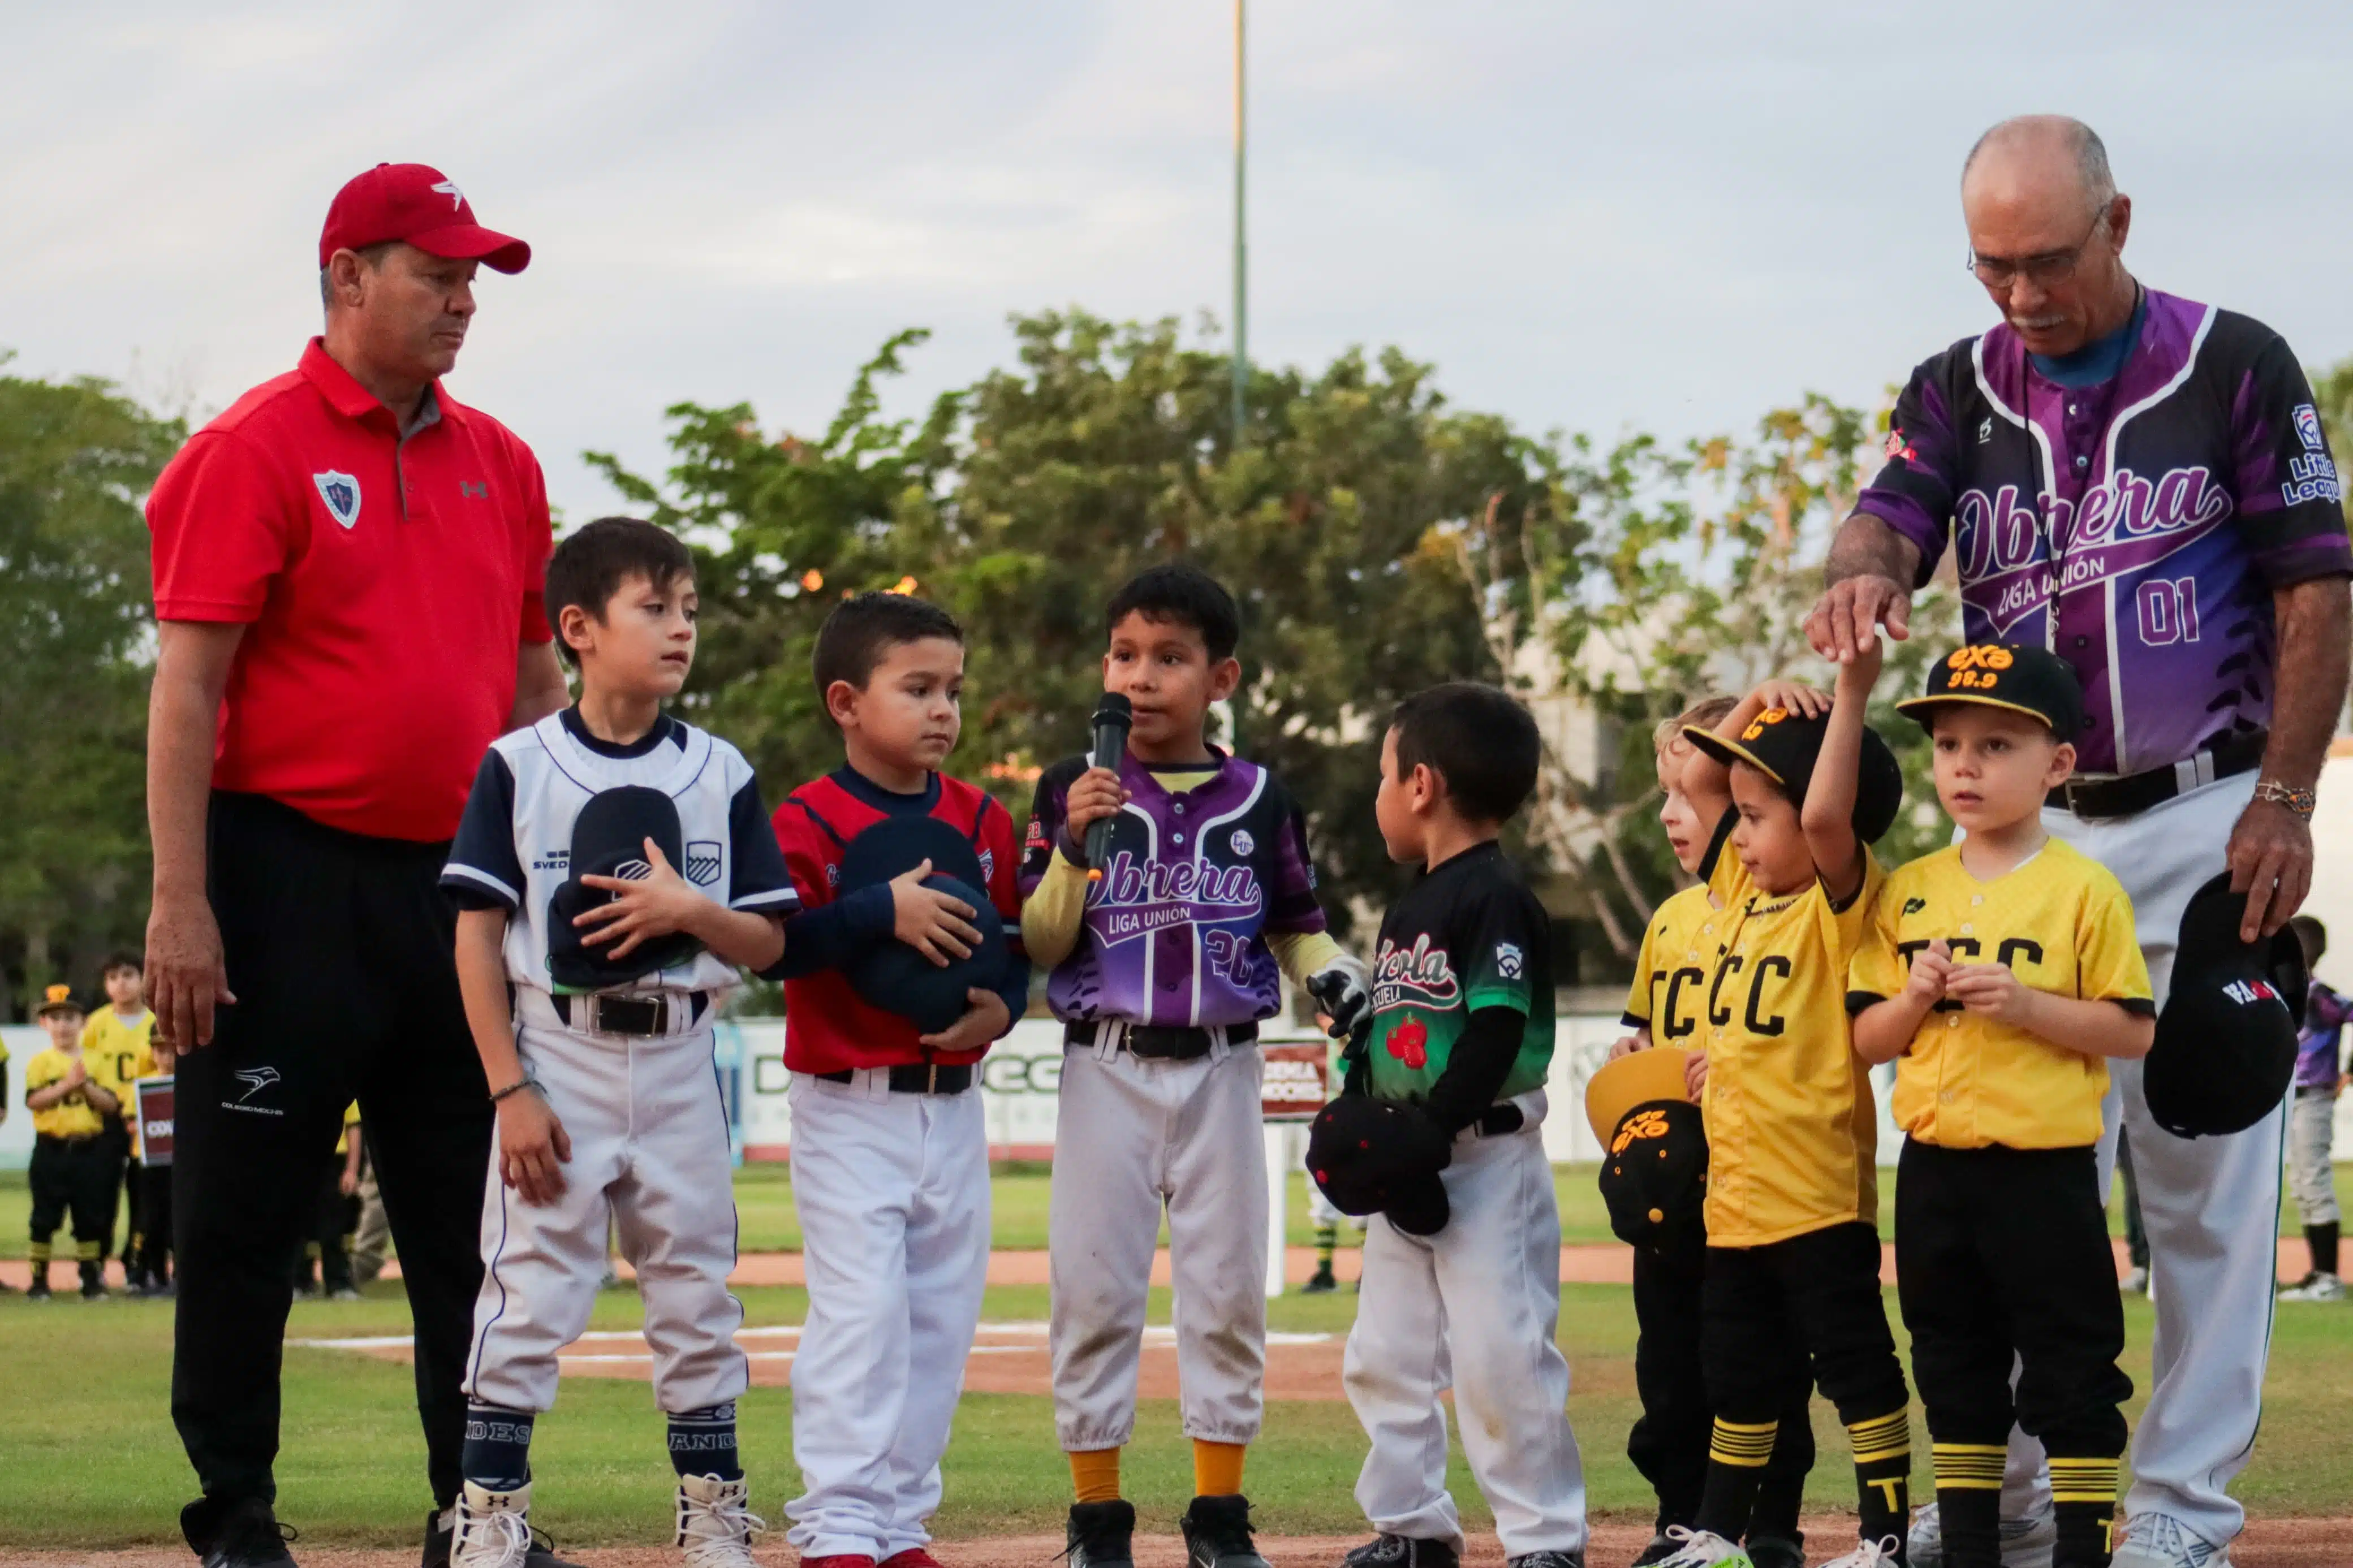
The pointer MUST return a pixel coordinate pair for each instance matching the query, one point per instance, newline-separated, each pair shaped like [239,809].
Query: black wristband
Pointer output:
[515,1088]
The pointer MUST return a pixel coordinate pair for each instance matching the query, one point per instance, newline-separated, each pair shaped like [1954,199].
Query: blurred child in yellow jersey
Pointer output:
[118,1045]
[68,1174]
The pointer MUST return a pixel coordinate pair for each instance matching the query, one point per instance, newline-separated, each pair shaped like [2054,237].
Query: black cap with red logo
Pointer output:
[421,205]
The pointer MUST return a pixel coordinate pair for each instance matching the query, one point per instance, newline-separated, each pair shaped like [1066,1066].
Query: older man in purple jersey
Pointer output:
[2141,484]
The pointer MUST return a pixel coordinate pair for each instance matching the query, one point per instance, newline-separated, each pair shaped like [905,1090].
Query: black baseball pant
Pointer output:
[154,1185]
[70,1177]
[1778,1321]
[2001,1254]
[1670,1440]
[340,953]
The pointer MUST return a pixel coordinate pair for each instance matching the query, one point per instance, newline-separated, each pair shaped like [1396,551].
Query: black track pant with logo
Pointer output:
[2003,1253]
[1669,1442]
[340,953]
[69,1176]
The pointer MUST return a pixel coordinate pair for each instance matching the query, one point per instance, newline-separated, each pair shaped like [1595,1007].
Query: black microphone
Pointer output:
[1113,715]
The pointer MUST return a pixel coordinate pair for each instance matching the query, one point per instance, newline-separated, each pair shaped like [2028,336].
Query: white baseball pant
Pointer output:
[1131,1137]
[2312,1129]
[1476,1305]
[649,1150]
[892,1192]
[2211,1205]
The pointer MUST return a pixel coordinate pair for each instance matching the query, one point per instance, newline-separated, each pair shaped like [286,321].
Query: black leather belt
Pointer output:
[2135,793]
[1498,1119]
[1152,1042]
[915,1078]
[601,1013]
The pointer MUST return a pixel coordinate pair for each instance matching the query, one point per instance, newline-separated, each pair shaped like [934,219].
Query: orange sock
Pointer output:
[1094,1472]
[1217,1467]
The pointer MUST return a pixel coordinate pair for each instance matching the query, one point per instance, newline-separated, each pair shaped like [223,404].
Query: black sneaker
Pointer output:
[1403,1552]
[1101,1534]
[1547,1559]
[1321,1282]
[244,1534]
[1218,1534]
[1662,1546]
[94,1289]
[1775,1551]
[38,1290]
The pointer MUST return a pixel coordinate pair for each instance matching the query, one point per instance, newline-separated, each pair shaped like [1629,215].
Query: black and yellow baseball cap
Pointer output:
[2018,677]
[58,999]
[1782,743]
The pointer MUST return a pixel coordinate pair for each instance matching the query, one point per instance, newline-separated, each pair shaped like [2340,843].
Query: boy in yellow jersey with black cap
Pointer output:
[1999,974]
[70,1173]
[1669,1443]
[1791,1295]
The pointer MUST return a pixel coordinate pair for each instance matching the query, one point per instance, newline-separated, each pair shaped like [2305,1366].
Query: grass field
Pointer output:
[84,1409]
[763,1205]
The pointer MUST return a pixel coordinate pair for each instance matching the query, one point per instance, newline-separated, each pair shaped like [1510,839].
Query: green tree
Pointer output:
[76,462]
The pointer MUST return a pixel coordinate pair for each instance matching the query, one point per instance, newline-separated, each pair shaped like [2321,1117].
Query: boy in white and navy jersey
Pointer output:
[616,866]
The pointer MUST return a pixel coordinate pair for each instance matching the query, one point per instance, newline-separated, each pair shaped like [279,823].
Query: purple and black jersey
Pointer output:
[1176,929]
[2138,527]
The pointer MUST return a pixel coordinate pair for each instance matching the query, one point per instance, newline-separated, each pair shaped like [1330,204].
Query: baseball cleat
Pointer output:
[492,1529]
[1703,1548]
[1386,1551]
[914,1557]
[2319,1288]
[1775,1551]
[2135,1281]
[1547,1559]
[714,1525]
[2162,1540]
[242,1535]
[1661,1547]
[1321,1282]
[1099,1535]
[38,1290]
[1218,1534]
[1881,1553]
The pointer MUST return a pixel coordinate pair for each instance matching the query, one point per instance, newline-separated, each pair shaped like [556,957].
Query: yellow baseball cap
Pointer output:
[1639,1078]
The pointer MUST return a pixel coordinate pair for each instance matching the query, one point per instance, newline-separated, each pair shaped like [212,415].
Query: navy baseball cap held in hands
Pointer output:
[2225,1043]
[895,977]
[1382,1156]
[608,839]
[2016,676]
[1782,744]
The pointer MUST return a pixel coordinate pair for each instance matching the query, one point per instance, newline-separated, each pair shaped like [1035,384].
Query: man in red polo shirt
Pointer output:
[348,571]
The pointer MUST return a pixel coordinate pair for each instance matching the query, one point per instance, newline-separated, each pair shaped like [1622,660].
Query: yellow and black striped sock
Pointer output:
[86,1252]
[1327,1244]
[2083,1499]
[1737,1452]
[39,1255]
[1883,1473]
[1969,1498]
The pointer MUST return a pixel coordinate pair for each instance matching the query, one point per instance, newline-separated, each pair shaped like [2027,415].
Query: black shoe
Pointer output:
[1547,1560]
[236,1535]
[1218,1534]
[1403,1552]
[1101,1535]
[1320,1282]
[1662,1546]
[93,1288]
[38,1290]
[1775,1551]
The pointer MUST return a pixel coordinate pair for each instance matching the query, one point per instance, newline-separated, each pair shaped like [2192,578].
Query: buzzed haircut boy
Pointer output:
[862,630]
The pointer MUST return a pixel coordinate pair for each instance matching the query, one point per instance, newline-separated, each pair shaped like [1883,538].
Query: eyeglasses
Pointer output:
[2050,267]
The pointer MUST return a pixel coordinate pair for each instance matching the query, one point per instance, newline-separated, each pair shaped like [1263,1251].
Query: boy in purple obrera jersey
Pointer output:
[1161,969]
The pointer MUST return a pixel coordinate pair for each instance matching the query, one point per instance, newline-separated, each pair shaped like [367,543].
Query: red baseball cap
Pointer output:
[420,204]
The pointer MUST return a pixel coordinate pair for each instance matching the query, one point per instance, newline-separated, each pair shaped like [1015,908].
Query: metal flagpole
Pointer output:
[1242,243]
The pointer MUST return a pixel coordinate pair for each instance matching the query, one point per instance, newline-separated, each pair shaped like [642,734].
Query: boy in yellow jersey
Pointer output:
[117,1043]
[68,1173]
[1999,974]
[1669,1442]
[1792,1295]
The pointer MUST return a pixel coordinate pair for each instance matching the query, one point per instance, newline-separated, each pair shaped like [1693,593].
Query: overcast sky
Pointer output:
[1595,215]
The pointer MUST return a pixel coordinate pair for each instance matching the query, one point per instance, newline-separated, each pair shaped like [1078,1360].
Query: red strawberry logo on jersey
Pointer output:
[1408,1042]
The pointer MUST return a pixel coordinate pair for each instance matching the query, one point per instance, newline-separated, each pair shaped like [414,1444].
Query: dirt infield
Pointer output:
[1007,1358]
[2268,1543]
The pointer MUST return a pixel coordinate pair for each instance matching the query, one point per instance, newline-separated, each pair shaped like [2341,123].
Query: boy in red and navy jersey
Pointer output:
[890,1155]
